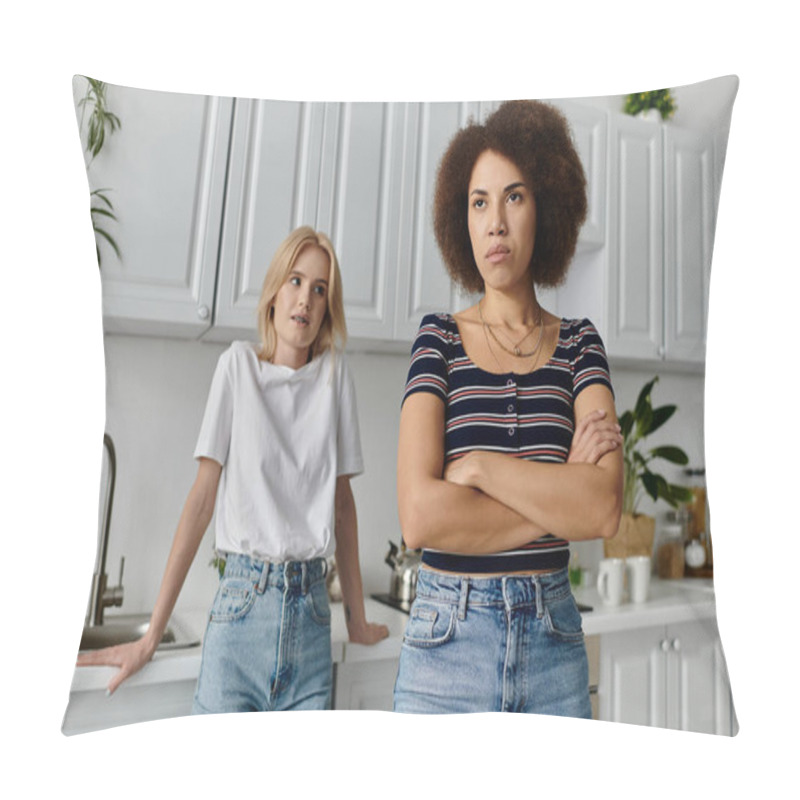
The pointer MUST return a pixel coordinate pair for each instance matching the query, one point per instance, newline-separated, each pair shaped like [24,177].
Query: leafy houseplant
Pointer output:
[659,99]
[637,530]
[101,123]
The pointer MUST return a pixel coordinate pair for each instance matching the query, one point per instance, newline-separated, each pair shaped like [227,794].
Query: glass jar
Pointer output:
[670,560]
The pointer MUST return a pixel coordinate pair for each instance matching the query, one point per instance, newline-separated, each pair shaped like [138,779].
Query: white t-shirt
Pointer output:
[282,437]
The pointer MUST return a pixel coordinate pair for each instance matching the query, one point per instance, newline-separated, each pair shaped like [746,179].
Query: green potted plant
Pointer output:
[101,123]
[636,530]
[660,100]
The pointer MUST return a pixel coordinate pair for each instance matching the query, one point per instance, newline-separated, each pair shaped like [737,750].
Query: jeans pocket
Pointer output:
[562,618]
[235,597]
[318,605]
[429,625]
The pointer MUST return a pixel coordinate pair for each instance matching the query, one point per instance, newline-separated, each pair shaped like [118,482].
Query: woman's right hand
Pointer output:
[129,657]
[595,435]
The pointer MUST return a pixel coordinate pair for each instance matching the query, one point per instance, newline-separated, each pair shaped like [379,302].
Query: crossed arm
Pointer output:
[487,502]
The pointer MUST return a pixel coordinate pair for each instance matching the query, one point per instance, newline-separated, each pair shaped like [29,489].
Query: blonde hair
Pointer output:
[333,330]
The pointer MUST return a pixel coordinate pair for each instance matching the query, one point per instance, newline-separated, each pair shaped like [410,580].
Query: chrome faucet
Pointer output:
[103,595]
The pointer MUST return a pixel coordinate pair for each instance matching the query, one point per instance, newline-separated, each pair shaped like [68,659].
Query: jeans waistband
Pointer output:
[297,575]
[506,590]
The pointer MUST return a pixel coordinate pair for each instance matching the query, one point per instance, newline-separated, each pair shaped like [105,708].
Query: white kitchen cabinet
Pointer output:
[671,676]
[589,127]
[206,188]
[661,206]
[365,685]
[361,179]
[272,188]
[689,223]
[164,170]
[423,283]
[635,247]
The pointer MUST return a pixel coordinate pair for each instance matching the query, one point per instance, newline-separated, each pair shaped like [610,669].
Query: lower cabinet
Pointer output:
[364,685]
[94,710]
[671,676]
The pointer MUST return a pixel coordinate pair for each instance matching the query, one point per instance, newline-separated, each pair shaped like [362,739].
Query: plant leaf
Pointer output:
[679,494]
[626,423]
[644,419]
[104,212]
[653,484]
[643,401]
[670,453]
[107,236]
[660,416]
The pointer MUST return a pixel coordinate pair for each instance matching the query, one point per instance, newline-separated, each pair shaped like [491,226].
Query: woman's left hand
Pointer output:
[463,471]
[369,633]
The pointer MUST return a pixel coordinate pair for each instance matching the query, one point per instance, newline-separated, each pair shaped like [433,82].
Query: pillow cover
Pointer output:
[190,196]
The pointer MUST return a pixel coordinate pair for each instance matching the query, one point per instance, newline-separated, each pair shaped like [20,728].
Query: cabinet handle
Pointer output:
[676,644]
[665,645]
[202,312]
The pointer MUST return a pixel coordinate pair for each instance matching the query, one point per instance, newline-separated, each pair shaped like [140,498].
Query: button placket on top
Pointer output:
[511,408]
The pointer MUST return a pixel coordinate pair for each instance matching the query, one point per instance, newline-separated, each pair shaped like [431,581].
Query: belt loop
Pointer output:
[537,585]
[462,600]
[304,569]
[262,581]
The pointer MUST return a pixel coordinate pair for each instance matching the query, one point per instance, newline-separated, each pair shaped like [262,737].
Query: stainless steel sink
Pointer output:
[129,627]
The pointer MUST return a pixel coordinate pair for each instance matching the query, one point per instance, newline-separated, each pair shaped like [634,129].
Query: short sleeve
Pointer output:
[349,460]
[215,432]
[428,369]
[589,363]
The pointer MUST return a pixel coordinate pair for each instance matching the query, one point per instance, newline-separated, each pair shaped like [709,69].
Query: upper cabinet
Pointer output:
[635,248]
[165,174]
[589,133]
[661,204]
[206,188]
[272,187]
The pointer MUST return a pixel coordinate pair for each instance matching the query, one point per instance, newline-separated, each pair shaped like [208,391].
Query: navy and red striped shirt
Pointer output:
[528,416]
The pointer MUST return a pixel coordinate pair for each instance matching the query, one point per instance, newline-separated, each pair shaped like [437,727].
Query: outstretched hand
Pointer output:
[595,435]
[129,657]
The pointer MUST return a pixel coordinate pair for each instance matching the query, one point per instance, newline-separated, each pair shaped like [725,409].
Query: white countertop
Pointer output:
[669,602]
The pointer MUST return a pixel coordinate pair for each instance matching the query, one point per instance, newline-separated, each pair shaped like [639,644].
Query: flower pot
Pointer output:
[634,537]
[650,114]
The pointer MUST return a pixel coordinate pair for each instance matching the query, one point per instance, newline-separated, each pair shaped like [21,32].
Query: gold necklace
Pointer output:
[516,352]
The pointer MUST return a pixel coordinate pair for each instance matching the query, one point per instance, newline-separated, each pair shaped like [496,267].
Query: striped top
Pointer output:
[528,416]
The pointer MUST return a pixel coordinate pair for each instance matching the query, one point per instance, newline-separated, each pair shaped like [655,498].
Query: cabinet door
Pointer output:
[365,685]
[635,285]
[688,236]
[632,685]
[273,186]
[165,171]
[361,176]
[424,285]
[698,691]
[589,133]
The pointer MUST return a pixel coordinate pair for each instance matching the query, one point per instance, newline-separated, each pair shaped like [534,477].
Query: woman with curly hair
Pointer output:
[509,446]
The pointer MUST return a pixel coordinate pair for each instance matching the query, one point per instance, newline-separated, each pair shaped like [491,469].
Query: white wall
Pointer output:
[156,393]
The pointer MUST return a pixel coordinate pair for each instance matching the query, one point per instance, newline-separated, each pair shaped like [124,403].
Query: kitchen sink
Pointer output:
[129,627]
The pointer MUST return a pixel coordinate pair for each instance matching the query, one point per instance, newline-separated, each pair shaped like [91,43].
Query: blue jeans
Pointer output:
[511,643]
[267,645]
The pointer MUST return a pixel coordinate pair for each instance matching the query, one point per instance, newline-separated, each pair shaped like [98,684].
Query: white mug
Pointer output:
[639,568]
[611,580]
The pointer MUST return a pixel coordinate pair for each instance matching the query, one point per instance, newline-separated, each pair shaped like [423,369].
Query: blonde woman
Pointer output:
[277,447]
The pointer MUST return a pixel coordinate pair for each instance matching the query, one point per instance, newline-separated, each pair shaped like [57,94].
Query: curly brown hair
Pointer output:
[536,137]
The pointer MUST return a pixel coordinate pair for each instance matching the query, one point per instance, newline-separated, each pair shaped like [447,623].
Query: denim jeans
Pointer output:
[267,645]
[511,643]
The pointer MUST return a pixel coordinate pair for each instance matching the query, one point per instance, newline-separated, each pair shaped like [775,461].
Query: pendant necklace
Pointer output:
[516,352]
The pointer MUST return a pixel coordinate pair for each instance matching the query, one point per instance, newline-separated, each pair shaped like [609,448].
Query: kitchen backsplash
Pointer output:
[156,394]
